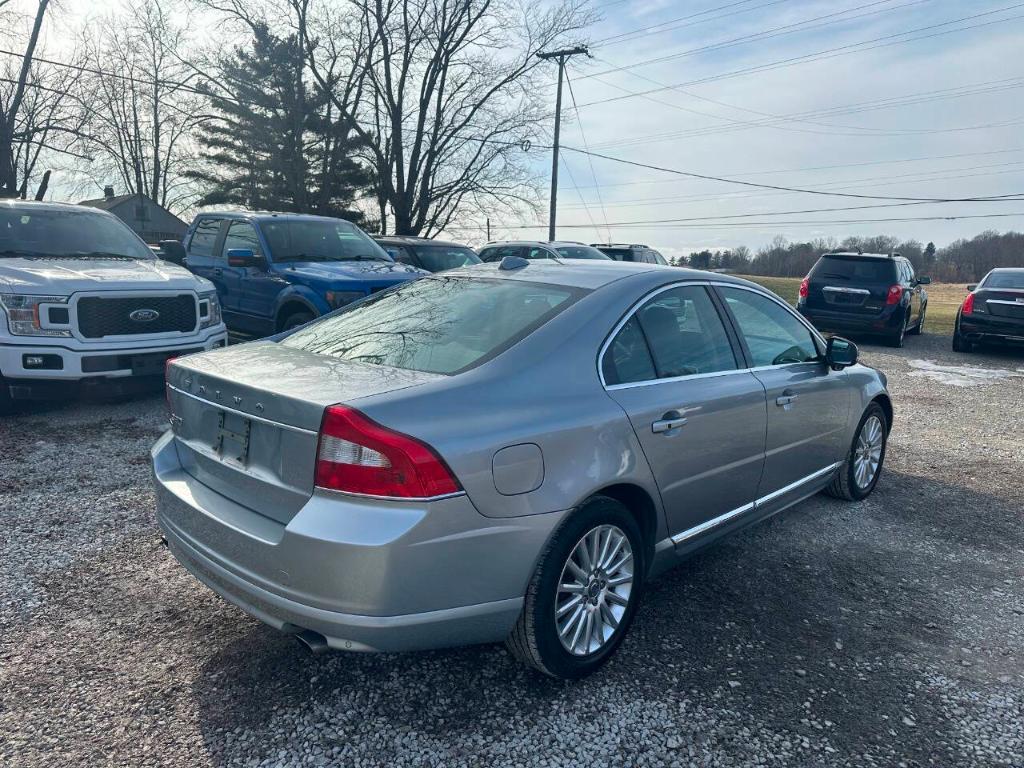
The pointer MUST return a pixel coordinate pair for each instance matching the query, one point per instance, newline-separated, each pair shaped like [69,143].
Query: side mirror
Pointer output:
[173,251]
[972,286]
[840,353]
[924,281]
[244,257]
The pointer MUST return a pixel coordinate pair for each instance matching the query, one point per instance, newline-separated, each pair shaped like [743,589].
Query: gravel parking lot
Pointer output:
[883,633]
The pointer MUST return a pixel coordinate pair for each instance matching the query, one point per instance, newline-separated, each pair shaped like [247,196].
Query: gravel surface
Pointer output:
[886,633]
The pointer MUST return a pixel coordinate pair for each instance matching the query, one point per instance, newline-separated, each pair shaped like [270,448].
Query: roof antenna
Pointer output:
[511,263]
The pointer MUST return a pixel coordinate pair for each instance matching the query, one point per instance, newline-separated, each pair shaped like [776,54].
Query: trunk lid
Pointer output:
[246,418]
[1005,303]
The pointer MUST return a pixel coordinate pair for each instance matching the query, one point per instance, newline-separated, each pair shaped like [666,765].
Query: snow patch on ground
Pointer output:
[961,375]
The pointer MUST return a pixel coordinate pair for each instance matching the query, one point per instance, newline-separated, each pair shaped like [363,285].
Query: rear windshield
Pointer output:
[436,324]
[854,269]
[38,231]
[619,254]
[1011,280]
[579,252]
[438,258]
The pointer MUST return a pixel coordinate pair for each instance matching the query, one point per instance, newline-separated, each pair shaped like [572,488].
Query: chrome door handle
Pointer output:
[665,425]
[787,397]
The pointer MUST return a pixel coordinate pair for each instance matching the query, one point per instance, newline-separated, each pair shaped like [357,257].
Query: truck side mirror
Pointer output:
[840,353]
[924,280]
[173,251]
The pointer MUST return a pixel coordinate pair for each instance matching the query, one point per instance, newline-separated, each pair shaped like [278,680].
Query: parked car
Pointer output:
[275,271]
[83,299]
[992,311]
[504,452]
[639,253]
[532,249]
[870,293]
[428,255]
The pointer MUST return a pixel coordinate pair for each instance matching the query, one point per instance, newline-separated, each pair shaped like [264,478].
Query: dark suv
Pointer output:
[867,292]
[638,253]
[431,255]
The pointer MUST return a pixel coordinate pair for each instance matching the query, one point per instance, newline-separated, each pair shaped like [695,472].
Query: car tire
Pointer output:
[6,401]
[296,319]
[849,483]
[919,328]
[960,344]
[897,339]
[542,640]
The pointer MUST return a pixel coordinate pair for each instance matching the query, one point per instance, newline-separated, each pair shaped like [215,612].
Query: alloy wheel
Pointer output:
[594,590]
[868,453]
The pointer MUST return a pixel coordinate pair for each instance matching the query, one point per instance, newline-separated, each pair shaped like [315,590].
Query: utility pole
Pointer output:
[561,56]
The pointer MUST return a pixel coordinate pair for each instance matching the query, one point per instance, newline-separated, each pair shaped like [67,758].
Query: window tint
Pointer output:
[658,258]
[1012,279]
[628,359]
[685,333]
[537,252]
[398,253]
[437,258]
[854,268]
[773,334]
[499,252]
[436,324]
[580,252]
[909,268]
[242,234]
[204,237]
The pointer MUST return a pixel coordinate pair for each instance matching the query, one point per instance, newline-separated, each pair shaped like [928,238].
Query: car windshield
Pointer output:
[854,269]
[436,324]
[438,258]
[319,240]
[1011,280]
[579,252]
[67,233]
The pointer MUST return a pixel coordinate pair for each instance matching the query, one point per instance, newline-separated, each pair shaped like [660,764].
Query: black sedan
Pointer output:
[992,311]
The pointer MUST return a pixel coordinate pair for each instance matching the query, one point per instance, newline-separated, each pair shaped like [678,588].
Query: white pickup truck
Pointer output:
[83,300]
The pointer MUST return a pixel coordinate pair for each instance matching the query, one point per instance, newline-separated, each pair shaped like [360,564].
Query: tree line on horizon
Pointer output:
[966,259]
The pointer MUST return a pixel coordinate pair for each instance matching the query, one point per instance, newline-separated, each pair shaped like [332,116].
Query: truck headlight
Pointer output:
[209,310]
[23,314]
[340,298]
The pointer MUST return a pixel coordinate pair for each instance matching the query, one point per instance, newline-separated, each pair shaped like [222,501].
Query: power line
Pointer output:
[767,34]
[829,53]
[590,160]
[707,177]
[653,28]
[572,180]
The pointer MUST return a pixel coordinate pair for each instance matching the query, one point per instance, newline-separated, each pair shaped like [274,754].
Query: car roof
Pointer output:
[49,206]
[856,255]
[1007,269]
[264,215]
[412,240]
[548,243]
[590,273]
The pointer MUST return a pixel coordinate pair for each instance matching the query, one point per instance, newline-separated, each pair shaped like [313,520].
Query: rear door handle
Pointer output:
[671,420]
[786,398]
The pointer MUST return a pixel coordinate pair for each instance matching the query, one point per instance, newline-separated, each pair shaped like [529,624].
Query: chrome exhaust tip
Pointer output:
[312,641]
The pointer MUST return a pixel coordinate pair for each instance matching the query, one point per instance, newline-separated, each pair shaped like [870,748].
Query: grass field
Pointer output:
[943,300]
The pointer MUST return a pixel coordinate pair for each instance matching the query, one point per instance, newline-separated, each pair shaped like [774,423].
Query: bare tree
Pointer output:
[445,94]
[11,101]
[145,101]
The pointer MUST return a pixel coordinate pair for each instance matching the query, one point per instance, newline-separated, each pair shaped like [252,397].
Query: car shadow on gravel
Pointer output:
[826,622]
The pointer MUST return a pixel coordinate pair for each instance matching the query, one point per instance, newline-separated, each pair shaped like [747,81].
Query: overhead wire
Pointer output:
[590,160]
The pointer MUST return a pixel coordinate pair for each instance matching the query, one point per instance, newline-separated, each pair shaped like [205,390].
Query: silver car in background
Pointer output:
[504,452]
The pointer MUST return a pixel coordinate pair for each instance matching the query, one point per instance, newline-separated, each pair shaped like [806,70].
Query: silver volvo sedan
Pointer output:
[504,452]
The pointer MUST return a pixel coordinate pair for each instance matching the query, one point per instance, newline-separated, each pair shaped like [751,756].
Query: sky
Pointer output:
[895,98]
[936,117]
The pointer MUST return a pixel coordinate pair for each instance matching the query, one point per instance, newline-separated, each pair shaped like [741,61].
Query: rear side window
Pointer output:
[854,269]
[204,238]
[773,334]
[676,333]
[436,324]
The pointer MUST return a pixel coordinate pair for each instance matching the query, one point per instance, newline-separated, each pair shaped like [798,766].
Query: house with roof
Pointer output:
[150,220]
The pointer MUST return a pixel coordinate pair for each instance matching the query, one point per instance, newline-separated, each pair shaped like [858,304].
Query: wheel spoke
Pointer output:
[609,617]
[584,554]
[618,566]
[573,621]
[583,622]
[613,554]
[616,598]
[571,603]
[625,578]
[579,573]
[575,588]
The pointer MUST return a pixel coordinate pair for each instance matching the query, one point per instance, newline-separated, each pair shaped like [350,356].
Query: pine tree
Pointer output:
[274,146]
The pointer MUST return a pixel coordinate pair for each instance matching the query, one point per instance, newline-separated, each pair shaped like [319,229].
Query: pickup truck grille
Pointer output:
[99,316]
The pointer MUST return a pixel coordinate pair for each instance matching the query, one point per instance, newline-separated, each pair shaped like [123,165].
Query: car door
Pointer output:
[254,288]
[915,292]
[699,416]
[808,403]
[202,255]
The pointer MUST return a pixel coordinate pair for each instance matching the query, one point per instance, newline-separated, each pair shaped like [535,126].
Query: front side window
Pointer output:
[40,231]
[242,235]
[676,333]
[293,240]
[774,335]
[438,258]
[436,324]
[497,253]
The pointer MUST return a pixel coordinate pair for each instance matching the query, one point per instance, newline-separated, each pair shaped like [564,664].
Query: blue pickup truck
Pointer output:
[275,271]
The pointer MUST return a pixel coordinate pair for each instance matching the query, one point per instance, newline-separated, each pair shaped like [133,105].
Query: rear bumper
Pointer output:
[367,575]
[886,321]
[979,327]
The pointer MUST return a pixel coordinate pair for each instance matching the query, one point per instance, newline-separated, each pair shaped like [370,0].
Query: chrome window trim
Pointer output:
[222,407]
[707,525]
[674,379]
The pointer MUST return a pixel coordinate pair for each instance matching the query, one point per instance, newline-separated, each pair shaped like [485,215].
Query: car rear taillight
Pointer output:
[358,455]
[894,295]
[804,290]
[968,307]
